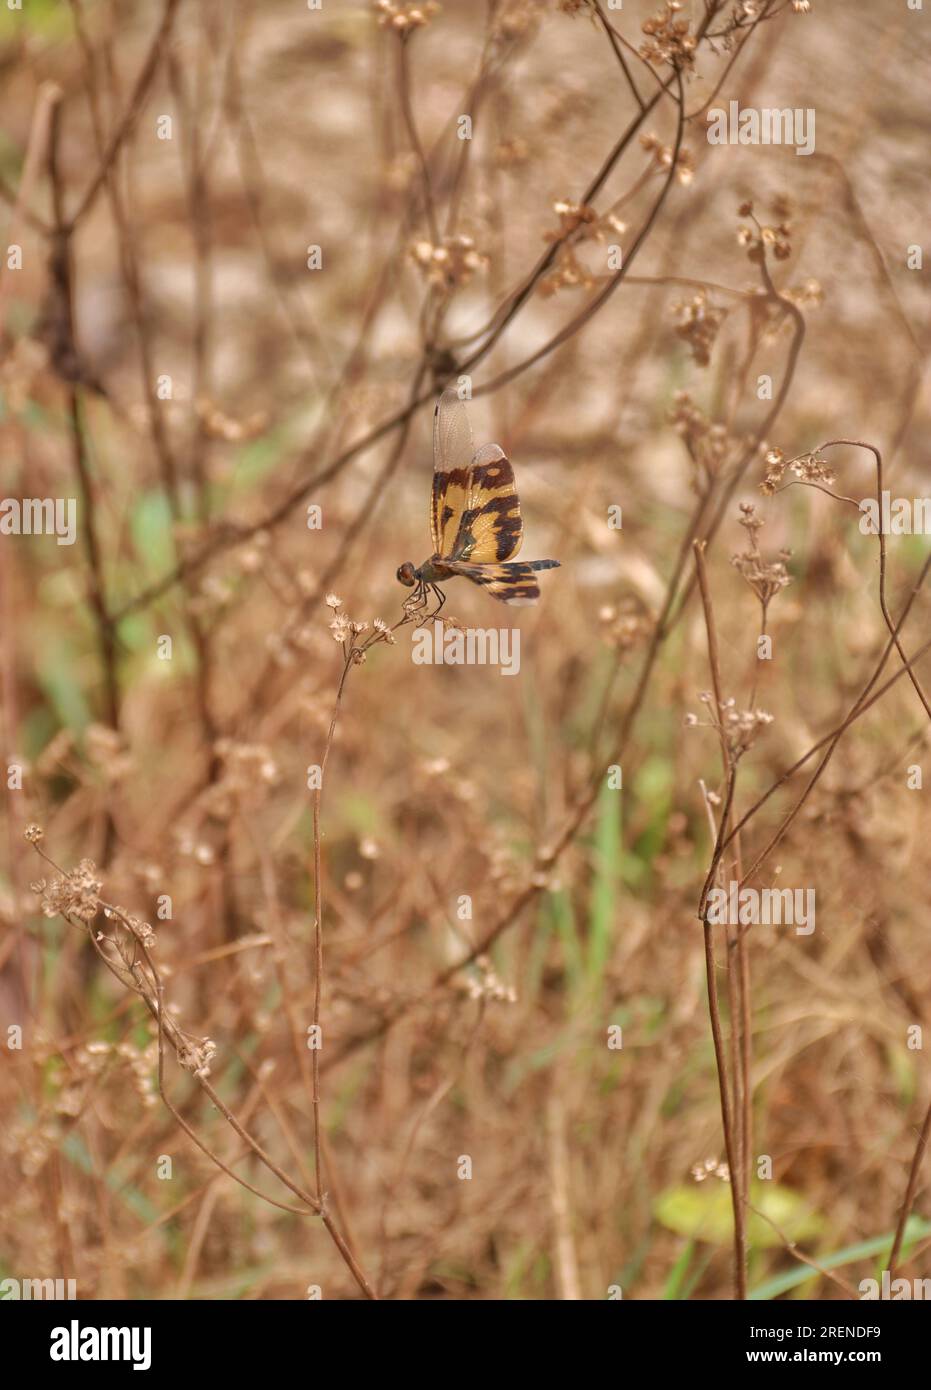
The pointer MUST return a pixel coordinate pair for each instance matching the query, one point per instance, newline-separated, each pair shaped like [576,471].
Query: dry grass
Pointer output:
[468,907]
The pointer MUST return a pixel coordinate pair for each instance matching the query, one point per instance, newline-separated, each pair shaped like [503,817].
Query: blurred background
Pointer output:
[245,247]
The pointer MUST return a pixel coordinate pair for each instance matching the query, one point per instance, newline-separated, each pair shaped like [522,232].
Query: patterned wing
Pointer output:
[490,527]
[511,583]
[452,460]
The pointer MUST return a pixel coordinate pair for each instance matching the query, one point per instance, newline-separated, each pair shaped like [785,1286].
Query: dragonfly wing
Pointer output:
[513,583]
[452,461]
[490,527]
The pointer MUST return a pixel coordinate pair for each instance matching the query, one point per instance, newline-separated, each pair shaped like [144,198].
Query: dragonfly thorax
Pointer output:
[434,570]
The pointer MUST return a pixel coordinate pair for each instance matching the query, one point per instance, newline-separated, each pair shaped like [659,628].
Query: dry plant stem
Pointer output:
[793,1250]
[470,107]
[363,516]
[744,997]
[565,1259]
[318,923]
[129,268]
[306,335]
[863,702]
[714,1009]
[832,737]
[671,611]
[156,1009]
[353,655]
[16,943]
[158,434]
[738,49]
[737,971]
[207,1202]
[921,1146]
[270,890]
[129,265]
[881,537]
[36,155]
[130,115]
[506,312]
[737,1146]
[737,1005]
[616,41]
[858,444]
[404,90]
[154,1002]
[920,1248]
[600,299]
[11,197]
[859,707]
[199,218]
[61,272]
[235,535]
[759,434]
[157,430]
[367,509]
[143,978]
[910,1191]
[47,98]
[65,347]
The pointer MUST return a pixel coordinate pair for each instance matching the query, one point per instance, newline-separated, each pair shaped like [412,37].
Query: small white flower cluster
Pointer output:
[738,727]
[345,630]
[711,1168]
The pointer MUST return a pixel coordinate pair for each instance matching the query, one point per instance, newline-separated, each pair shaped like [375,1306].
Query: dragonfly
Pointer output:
[475,518]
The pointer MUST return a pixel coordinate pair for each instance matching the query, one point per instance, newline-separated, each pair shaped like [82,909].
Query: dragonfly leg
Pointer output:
[419,602]
[440,594]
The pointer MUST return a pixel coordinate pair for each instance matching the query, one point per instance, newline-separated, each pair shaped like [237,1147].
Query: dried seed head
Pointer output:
[74,895]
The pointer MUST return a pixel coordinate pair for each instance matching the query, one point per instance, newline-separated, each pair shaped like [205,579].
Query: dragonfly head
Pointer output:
[407,574]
